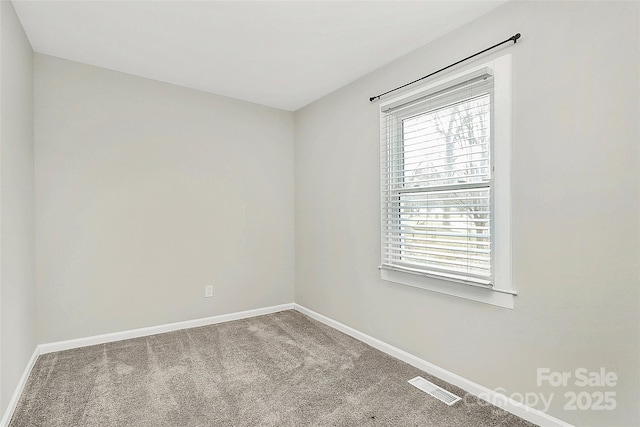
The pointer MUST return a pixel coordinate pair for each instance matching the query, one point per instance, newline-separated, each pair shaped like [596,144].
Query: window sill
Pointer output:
[491,296]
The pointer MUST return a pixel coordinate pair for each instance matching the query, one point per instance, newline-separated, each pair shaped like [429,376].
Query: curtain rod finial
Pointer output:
[373,98]
[516,37]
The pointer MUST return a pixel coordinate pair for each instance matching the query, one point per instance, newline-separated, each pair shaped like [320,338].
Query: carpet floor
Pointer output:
[281,369]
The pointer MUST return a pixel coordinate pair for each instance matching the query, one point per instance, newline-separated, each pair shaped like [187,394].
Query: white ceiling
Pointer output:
[283,54]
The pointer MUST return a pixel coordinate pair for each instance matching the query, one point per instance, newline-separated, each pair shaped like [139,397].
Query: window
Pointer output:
[445,186]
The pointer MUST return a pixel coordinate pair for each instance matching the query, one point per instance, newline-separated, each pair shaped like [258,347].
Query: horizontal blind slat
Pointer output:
[393,241]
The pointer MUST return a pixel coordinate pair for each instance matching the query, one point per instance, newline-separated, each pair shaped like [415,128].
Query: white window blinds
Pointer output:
[436,181]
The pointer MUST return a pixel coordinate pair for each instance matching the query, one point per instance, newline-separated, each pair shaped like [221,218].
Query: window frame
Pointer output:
[501,292]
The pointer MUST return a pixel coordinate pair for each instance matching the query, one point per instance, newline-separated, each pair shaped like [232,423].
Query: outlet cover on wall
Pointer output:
[208,291]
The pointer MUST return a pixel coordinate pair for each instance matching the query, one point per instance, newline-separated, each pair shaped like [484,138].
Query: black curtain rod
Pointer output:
[513,39]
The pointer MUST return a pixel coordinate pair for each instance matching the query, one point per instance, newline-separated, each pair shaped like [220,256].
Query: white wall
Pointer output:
[17,275]
[145,193]
[575,181]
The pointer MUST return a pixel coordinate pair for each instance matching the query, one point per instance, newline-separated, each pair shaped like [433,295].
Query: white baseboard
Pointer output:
[152,330]
[118,336]
[8,413]
[533,415]
[530,414]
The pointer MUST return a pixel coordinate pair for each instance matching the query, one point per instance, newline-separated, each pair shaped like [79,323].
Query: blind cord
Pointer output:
[513,39]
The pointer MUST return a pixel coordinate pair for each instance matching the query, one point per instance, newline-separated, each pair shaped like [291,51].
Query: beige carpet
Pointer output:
[282,369]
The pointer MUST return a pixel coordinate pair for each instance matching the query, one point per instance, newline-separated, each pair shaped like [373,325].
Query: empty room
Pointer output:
[319,213]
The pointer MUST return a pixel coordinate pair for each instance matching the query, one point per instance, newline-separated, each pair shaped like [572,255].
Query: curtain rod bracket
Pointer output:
[513,39]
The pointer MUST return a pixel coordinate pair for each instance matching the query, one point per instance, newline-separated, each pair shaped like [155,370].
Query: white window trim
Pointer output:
[502,293]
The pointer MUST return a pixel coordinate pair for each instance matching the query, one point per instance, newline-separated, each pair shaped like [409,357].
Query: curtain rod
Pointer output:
[513,39]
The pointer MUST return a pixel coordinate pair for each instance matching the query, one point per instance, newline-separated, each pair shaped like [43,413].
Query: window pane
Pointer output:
[448,145]
[445,230]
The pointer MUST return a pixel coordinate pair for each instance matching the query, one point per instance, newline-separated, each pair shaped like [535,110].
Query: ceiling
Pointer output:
[283,54]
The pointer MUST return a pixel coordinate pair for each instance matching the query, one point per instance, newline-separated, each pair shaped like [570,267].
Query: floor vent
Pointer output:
[435,391]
